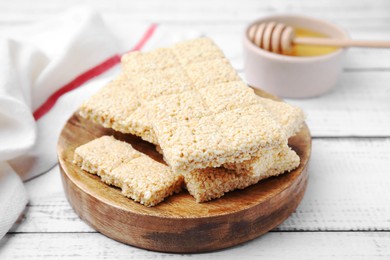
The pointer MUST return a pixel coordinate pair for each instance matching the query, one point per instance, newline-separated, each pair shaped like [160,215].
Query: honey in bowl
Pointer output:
[310,50]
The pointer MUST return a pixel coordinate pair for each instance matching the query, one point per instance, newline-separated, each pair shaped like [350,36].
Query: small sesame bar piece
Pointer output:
[146,180]
[212,183]
[102,155]
[118,163]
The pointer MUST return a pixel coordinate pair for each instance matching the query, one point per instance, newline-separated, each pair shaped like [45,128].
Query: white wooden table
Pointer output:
[345,213]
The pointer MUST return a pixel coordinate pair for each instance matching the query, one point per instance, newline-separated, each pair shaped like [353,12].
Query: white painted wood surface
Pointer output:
[274,245]
[348,190]
[345,213]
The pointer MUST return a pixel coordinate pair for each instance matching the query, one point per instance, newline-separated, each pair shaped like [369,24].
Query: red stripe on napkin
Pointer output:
[89,74]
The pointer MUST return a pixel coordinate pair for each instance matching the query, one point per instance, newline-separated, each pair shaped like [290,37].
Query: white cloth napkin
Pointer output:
[13,198]
[34,64]
[38,61]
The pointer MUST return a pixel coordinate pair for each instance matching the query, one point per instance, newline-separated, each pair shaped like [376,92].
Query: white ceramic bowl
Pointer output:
[291,76]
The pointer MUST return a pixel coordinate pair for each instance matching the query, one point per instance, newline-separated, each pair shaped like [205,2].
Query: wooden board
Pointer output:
[178,224]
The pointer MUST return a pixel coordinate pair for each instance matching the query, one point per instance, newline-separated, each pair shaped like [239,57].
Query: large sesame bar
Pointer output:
[137,123]
[118,163]
[106,108]
[103,108]
[191,131]
[116,105]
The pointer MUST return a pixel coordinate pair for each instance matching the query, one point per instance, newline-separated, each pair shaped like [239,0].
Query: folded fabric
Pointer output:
[32,68]
[13,198]
[37,66]
[41,63]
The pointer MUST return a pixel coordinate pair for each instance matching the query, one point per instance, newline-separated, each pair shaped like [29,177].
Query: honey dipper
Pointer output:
[279,38]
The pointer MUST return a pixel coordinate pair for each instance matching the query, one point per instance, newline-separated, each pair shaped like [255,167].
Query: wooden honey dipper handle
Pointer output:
[279,38]
[340,42]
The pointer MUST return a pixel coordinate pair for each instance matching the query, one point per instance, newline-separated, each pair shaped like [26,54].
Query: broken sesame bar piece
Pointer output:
[119,164]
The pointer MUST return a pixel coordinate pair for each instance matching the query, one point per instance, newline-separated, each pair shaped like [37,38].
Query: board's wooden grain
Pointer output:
[178,224]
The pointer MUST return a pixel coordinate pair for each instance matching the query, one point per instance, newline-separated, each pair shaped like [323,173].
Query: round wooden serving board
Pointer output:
[178,224]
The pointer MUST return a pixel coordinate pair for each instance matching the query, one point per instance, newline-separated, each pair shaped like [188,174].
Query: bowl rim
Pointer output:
[295,59]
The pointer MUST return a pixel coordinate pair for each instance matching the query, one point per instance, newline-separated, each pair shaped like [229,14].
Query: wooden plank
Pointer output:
[229,38]
[347,190]
[275,245]
[358,106]
[348,12]
[121,22]
[348,187]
